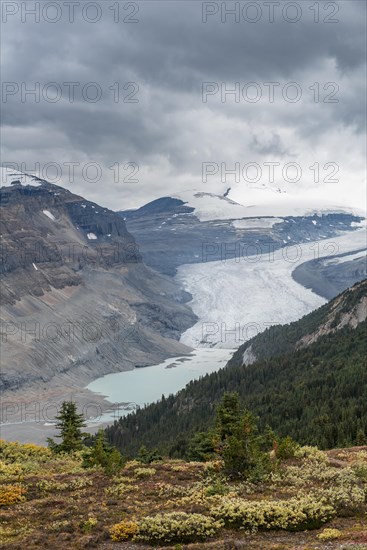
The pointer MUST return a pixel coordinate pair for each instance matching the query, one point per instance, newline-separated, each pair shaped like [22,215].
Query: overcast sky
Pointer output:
[150,62]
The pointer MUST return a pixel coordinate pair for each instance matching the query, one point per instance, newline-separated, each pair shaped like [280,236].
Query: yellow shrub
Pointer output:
[59,526]
[177,527]
[123,479]
[329,534]
[311,453]
[50,486]
[11,494]
[89,524]
[167,490]
[144,472]
[296,514]
[124,530]
[10,471]
[16,452]
[132,464]
[119,490]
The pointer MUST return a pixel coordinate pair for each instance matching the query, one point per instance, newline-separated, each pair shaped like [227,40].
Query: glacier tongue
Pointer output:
[237,298]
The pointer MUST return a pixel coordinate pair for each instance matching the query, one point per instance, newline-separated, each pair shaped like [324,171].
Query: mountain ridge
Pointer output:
[78,301]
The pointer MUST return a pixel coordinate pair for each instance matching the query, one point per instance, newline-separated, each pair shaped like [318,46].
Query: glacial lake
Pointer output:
[129,389]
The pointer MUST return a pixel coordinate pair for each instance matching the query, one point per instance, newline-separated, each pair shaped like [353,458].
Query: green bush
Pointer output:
[286,448]
[141,473]
[296,514]
[177,527]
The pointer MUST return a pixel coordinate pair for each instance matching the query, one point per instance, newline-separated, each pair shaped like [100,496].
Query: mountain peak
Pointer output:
[10,177]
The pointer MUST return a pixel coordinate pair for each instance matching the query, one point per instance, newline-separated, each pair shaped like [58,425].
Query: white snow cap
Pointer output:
[257,203]
[8,176]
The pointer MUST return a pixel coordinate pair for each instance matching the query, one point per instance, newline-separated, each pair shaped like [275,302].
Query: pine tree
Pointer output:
[201,448]
[146,457]
[103,454]
[70,424]
[236,440]
[227,415]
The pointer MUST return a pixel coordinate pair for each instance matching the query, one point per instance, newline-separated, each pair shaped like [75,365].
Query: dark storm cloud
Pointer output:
[169,53]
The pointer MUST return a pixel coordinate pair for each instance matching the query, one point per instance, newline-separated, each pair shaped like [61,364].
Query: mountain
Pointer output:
[307,379]
[86,292]
[77,300]
[196,227]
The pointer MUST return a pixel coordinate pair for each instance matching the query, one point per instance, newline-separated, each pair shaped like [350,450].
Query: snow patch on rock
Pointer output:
[49,215]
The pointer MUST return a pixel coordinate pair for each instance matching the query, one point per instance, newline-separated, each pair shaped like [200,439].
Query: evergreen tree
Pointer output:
[236,440]
[147,457]
[103,454]
[70,424]
[201,447]
[227,415]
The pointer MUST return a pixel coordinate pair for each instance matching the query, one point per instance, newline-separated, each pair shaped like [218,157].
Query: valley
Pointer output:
[87,292]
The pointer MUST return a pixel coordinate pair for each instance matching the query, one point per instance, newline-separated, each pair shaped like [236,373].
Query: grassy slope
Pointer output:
[60,498]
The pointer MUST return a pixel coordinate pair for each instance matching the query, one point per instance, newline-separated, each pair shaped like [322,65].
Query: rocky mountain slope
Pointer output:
[349,309]
[77,300]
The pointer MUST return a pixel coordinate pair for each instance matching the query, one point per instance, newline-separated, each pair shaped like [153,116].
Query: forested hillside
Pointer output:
[349,308]
[312,386]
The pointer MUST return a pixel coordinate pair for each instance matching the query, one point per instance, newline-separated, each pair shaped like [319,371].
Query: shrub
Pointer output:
[119,490]
[79,483]
[286,448]
[345,498]
[16,452]
[329,534]
[167,490]
[89,524]
[359,466]
[11,494]
[10,471]
[124,530]
[50,486]
[59,525]
[296,514]
[312,453]
[218,488]
[177,527]
[144,472]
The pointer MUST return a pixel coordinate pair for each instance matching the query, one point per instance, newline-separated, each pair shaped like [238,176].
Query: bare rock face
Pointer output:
[49,234]
[348,309]
[77,301]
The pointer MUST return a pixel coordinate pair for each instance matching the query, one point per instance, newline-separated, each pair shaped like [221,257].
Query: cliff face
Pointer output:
[77,301]
[49,234]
